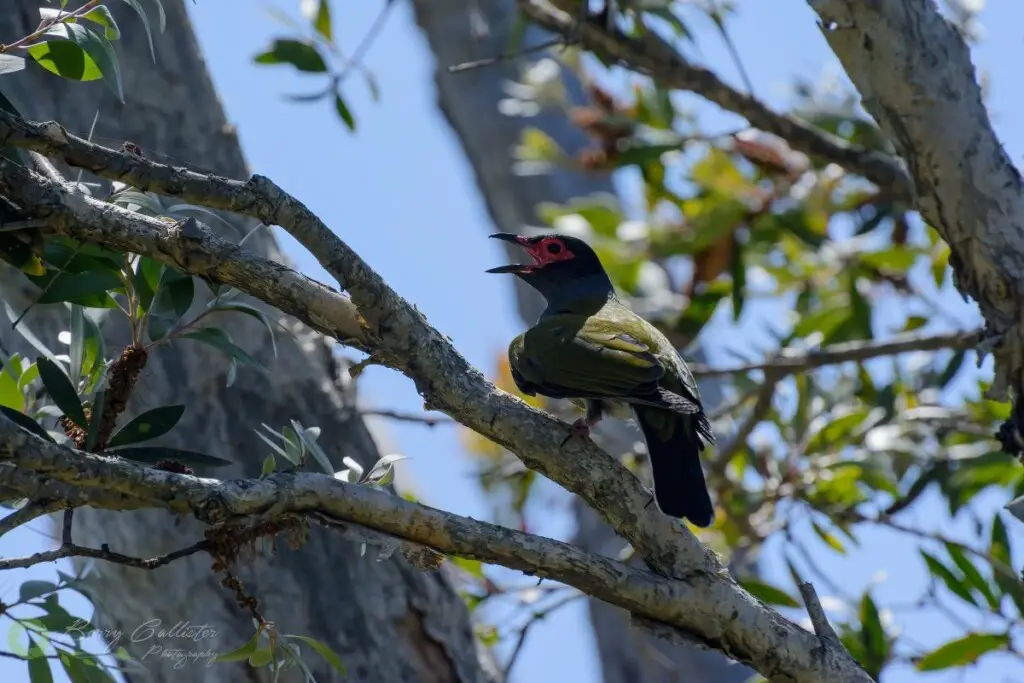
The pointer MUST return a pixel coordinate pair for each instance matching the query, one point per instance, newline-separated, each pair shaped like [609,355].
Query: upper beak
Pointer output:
[515,239]
[509,237]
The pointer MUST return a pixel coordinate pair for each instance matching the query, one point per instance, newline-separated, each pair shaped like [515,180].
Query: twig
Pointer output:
[46,24]
[506,56]
[762,405]
[103,553]
[819,621]
[535,618]
[355,61]
[789,362]
[652,56]
[427,420]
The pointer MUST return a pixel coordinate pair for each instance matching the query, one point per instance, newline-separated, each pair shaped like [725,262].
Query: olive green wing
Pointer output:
[574,357]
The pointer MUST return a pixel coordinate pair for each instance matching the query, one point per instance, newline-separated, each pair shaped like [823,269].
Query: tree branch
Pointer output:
[652,56]
[104,553]
[709,605]
[788,362]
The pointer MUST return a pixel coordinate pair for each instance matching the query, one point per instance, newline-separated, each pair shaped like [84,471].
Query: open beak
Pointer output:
[515,268]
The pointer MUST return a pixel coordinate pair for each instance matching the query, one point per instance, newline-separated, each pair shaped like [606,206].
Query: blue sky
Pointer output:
[400,192]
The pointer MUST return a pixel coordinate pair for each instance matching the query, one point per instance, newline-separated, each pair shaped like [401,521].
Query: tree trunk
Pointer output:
[387,621]
[469,100]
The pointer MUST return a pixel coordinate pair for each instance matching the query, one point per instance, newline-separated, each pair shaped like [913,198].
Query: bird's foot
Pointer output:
[580,430]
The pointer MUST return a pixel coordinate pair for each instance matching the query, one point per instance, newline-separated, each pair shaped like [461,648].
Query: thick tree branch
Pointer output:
[709,605]
[652,56]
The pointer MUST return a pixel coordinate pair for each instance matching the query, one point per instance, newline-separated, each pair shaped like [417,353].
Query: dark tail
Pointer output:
[674,444]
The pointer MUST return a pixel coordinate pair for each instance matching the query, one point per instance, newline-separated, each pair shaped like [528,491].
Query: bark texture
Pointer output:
[387,621]
[469,100]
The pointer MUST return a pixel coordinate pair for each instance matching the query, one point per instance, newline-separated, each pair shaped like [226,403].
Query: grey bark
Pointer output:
[469,101]
[387,621]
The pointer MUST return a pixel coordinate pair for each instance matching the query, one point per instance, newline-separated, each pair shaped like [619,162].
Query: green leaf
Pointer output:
[343,111]
[78,53]
[156,453]
[241,652]
[10,64]
[93,434]
[66,59]
[1001,553]
[139,10]
[27,333]
[322,23]
[952,368]
[962,651]
[77,348]
[79,287]
[767,593]
[249,310]
[954,583]
[327,653]
[261,657]
[176,292]
[861,309]
[268,466]
[309,439]
[26,423]
[149,425]
[915,322]
[57,618]
[102,16]
[172,300]
[277,449]
[972,575]
[146,280]
[10,395]
[38,664]
[61,391]
[35,588]
[303,56]
[872,637]
[829,539]
[219,339]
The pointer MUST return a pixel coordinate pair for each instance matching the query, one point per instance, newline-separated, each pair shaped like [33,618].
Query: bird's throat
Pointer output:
[580,295]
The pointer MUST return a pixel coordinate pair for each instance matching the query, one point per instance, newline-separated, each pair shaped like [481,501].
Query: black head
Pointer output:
[562,266]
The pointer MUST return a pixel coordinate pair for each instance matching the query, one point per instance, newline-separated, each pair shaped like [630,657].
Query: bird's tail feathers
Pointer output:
[679,486]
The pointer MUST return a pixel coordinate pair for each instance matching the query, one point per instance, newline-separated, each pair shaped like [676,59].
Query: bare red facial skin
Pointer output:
[548,250]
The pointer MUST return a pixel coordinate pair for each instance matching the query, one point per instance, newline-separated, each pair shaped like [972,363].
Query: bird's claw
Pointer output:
[580,430]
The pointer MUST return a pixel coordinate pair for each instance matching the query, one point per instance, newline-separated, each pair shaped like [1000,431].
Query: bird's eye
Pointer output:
[554,248]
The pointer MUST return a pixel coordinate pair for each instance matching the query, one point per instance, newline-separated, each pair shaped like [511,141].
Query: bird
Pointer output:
[589,347]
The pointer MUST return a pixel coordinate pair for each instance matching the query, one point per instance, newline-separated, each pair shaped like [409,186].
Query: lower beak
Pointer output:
[515,269]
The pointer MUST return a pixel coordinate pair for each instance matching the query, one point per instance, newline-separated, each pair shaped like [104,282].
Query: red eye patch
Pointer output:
[548,250]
